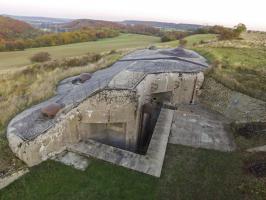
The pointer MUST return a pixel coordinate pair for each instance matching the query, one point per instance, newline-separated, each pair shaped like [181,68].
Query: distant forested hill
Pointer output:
[19,35]
[11,28]
[80,24]
[90,23]
[165,25]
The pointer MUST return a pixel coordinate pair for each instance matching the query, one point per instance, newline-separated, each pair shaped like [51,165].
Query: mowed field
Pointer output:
[9,60]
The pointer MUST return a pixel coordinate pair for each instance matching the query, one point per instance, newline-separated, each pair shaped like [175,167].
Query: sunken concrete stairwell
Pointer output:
[151,163]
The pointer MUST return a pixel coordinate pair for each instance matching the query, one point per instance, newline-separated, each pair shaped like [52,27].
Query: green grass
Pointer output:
[194,39]
[20,58]
[244,143]
[241,63]
[241,69]
[191,40]
[188,173]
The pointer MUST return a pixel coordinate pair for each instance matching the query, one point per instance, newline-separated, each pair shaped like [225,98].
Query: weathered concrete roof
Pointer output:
[135,66]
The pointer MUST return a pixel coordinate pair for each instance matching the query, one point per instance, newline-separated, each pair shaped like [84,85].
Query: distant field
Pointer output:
[10,60]
[193,39]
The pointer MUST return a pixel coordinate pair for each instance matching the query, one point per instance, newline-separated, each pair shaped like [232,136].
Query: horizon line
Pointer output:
[254,28]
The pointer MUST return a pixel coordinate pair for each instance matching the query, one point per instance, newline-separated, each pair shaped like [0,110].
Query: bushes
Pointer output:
[65,63]
[182,43]
[41,57]
[141,29]
[228,34]
[81,61]
[223,32]
[173,35]
[167,38]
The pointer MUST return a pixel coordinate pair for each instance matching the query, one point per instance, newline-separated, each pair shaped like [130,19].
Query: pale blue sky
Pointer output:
[226,12]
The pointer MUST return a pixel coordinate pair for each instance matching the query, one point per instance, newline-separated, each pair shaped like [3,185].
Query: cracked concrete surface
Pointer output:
[196,126]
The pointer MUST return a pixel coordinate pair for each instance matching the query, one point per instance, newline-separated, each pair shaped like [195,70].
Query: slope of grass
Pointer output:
[241,69]
[191,40]
[188,173]
[238,64]
[16,59]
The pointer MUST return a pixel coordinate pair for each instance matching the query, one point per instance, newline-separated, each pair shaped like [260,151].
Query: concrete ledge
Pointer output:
[151,163]
[257,149]
[5,181]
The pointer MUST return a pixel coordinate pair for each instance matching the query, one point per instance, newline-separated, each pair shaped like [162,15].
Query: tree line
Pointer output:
[224,33]
[53,39]
[81,35]
[93,34]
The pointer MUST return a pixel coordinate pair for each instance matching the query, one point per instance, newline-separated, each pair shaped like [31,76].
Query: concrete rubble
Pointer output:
[72,159]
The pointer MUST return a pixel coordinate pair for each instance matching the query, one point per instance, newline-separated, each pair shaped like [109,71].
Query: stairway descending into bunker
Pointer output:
[151,163]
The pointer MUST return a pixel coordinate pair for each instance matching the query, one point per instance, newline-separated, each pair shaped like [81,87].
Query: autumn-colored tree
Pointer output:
[52,39]
[2,45]
[12,29]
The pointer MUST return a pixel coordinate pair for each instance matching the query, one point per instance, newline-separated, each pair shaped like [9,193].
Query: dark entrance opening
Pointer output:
[149,116]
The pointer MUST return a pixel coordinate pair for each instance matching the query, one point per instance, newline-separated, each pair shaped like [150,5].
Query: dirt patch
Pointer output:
[250,129]
[258,168]
[255,164]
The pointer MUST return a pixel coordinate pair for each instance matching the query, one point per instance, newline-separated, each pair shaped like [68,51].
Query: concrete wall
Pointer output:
[110,109]
[184,89]
[104,107]
[46,145]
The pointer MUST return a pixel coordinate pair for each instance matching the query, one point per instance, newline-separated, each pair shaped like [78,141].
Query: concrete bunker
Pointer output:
[119,106]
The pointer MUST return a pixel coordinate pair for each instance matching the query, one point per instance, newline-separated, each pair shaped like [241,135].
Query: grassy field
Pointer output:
[238,64]
[191,40]
[188,174]
[241,69]
[20,58]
